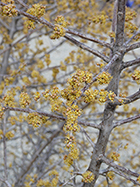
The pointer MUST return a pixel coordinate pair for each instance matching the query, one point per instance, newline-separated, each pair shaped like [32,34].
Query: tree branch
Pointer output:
[132,47]
[130,119]
[115,166]
[130,63]
[50,25]
[120,23]
[101,42]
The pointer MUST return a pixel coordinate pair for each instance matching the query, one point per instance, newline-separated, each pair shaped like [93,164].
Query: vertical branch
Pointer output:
[120,23]
[4,147]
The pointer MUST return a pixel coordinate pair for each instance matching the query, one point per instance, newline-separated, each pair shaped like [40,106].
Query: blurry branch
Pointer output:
[128,99]
[38,152]
[4,24]
[22,4]
[132,47]
[49,169]
[122,171]
[101,42]
[69,180]
[5,147]
[130,119]
[130,63]
[87,136]
[19,40]
[125,176]
[28,110]
[5,182]
[87,48]
[129,40]
[50,25]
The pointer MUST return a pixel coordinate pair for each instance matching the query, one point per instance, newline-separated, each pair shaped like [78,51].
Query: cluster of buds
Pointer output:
[136,76]
[37,10]
[59,30]
[9,9]
[24,100]
[88,176]
[104,78]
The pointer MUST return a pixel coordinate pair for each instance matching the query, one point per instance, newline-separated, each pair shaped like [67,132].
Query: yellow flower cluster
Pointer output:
[59,30]
[90,95]
[131,27]
[61,20]
[68,160]
[104,78]
[73,155]
[130,15]
[9,135]
[9,99]
[138,179]
[36,10]
[13,120]
[112,34]
[46,93]
[37,96]
[54,99]
[47,59]
[24,99]
[110,175]
[1,134]
[9,9]
[88,176]
[136,76]
[111,95]
[55,71]
[55,176]
[72,114]
[70,141]
[103,95]
[34,119]
[28,24]
[115,156]
[99,19]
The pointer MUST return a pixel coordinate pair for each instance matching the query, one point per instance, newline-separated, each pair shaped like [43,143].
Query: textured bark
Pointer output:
[107,122]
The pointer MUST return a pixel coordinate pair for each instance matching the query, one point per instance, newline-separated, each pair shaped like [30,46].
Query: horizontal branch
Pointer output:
[127,100]
[130,63]
[28,110]
[125,176]
[130,119]
[118,167]
[101,42]
[87,48]
[132,47]
[60,117]
[130,39]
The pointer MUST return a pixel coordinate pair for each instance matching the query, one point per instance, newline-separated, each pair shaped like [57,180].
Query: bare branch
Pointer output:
[132,47]
[5,182]
[128,41]
[125,176]
[130,119]
[120,23]
[38,153]
[130,63]
[101,42]
[115,166]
